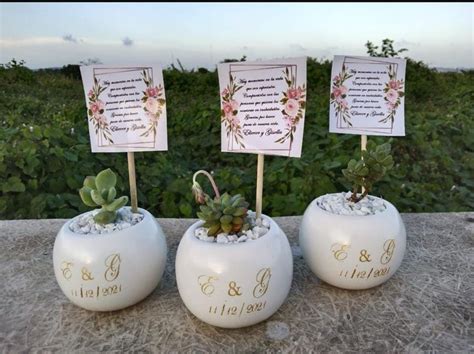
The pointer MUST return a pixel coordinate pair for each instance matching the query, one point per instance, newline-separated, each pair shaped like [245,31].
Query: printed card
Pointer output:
[263,106]
[367,96]
[126,108]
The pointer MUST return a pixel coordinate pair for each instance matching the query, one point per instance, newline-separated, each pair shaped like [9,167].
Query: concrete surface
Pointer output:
[427,305]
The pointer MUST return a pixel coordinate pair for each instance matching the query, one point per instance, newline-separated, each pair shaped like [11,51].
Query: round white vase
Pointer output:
[234,285]
[352,251]
[107,272]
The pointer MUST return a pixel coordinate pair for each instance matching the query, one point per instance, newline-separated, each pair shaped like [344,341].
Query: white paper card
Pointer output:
[126,107]
[263,106]
[367,96]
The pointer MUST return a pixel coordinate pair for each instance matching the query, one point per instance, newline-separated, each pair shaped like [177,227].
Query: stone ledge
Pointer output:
[427,305]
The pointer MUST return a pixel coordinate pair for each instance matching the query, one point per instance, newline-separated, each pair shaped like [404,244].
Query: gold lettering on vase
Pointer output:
[237,310]
[263,281]
[86,274]
[205,282]
[234,290]
[339,251]
[66,270]
[364,256]
[389,248]
[112,263]
[97,292]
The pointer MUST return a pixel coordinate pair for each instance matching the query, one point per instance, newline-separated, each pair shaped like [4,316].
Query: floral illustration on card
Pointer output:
[339,94]
[229,110]
[153,103]
[95,111]
[394,91]
[294,101]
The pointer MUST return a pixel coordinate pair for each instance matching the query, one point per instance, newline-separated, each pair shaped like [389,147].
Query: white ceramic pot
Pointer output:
[351,251]
[106,272]
[234,285]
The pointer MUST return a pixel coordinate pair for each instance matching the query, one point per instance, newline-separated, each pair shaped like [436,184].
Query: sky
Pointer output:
[203,34]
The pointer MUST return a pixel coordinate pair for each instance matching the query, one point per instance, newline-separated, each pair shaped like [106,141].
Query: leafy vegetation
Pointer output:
[45,151]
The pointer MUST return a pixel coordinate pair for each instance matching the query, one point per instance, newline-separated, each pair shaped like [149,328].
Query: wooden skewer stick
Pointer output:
[133,181]
[258,203]
[363,147]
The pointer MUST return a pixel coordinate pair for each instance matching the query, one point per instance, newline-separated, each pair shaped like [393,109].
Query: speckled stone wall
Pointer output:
[427,305]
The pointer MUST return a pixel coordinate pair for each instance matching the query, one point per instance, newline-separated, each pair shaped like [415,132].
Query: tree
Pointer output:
[386,51]
[244,58]
[90,61]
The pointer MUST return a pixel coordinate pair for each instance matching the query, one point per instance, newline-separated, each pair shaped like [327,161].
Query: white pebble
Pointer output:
[221,239]
[242,238]
[232,238]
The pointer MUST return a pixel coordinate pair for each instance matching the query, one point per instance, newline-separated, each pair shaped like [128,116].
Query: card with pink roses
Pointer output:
[263,106]
[126,107]
[367,96]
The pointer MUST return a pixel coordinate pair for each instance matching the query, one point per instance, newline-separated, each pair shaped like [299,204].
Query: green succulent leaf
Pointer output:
[89,182]
[106,179]
[213,230]
[226,219]
[116,204]
[111,195]
[225,199]
[237,220]
[206,209]
[105,217]
[240,212]
[229,210]
[85,194]
[97,197]
[227,228]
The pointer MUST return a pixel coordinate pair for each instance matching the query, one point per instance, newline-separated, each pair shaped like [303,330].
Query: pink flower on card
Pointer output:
[392,96]
[391,106]
[90,94]
[225,92]
[336,78]
[394,84]
[152,91]
[342,103]
[294,93]
[235,105]
[343,89]
[96,107]
[152,105]
[292,107]
[227,108]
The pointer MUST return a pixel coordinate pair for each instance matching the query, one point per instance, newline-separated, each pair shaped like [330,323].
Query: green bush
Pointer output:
[45,152]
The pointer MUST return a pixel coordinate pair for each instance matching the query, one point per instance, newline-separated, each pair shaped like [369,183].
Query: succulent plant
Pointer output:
[224,213]
[375,162]
[100,191]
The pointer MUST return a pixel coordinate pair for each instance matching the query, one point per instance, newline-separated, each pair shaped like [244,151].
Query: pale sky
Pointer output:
[202,34]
